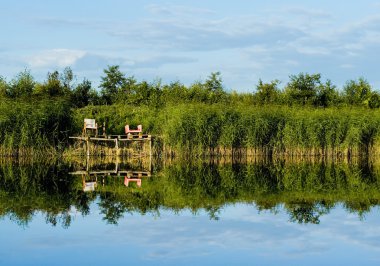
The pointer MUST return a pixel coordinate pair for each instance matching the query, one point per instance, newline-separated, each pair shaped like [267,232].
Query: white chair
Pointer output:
[91,125]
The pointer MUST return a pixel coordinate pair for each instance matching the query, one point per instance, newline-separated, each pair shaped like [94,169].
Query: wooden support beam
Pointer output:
[88,146]
[109,172]
[116,139]
[102,139]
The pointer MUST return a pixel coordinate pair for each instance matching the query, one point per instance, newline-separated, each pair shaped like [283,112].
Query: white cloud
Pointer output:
[316,14]
[347,66]
[176,10]
[55,58]
[268,42]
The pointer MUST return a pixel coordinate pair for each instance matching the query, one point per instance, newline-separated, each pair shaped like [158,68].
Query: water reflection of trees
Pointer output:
[306,190]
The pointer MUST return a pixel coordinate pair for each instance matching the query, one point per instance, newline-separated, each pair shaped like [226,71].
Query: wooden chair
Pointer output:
[133,131]
[91,125]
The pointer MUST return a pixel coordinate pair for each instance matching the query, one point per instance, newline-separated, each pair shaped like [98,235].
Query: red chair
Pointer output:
[133,131]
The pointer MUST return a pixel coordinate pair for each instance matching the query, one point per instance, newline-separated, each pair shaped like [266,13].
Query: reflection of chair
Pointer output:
[127,180]
[90,124]
[132,131]
[89,186]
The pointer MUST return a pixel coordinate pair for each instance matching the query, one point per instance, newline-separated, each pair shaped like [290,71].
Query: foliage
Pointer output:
[306,190]
[267,93]
[302,88]
[27,125]
[202,118]
[112,83]
[357,92]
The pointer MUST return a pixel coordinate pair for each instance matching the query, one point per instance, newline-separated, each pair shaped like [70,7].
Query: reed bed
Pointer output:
[197,129]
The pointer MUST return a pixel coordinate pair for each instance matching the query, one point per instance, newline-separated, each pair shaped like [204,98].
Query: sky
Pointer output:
[242,236]
[187,40]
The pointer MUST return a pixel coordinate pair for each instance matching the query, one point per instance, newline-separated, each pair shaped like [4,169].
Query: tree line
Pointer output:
[306,117]
[303,89]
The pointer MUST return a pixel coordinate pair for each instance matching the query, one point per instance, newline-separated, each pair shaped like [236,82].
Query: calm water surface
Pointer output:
[190,214]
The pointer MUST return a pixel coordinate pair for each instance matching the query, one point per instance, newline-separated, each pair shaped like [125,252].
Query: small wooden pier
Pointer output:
[118,140]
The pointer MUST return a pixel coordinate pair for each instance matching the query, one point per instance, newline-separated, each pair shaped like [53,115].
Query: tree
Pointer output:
[125,92]
[214,87]
[326,94]
[141,93]
[52,86]
[111,83]
[22,85]
[374,100]
[66,78]
[357,92]
[198,93]
[175,92]
[3,87]
[267,92]
[302,88]
[81,94]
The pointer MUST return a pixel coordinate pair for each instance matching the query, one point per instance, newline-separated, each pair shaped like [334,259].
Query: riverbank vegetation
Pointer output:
[307,116]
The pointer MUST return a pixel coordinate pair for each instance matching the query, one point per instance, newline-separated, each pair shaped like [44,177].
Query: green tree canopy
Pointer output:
[357,92]
[374,100]
[214,87]
[52,87]
[81,94]
[302,88]
[3,87]
[327,94]
[267,92]
[112,83]
[22,85]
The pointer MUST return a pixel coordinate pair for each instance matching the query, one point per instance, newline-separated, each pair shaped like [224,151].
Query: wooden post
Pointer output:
[150,157]
[150,148]
[87,164]
[104,129]
[88,146]
[117,167]
[117,146]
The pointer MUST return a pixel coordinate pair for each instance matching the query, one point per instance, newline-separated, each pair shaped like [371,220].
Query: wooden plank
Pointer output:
[141,173]
[127,172]
[80,138]
[79,173]
[102,139]
[83,172]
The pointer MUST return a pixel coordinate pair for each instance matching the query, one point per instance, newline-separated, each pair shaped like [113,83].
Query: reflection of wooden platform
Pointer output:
[129,176]
[130,173]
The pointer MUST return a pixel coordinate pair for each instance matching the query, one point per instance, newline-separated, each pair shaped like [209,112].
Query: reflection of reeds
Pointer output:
[306,187]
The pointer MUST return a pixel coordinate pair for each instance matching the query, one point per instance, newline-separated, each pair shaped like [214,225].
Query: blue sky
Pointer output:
[242,236]
[187,40]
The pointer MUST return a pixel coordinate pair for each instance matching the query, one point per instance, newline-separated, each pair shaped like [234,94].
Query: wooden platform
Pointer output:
[115,139]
